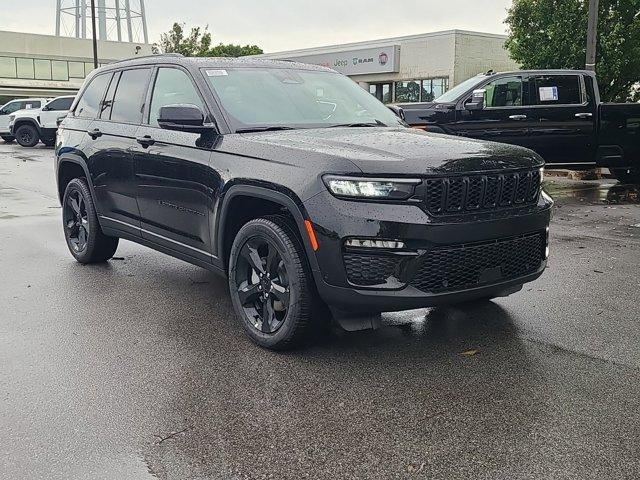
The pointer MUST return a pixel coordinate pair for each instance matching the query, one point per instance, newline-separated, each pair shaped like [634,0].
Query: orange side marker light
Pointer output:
[312,235]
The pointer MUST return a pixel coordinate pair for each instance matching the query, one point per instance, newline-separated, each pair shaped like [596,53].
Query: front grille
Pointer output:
[466,266]
[369,270]
[472,193]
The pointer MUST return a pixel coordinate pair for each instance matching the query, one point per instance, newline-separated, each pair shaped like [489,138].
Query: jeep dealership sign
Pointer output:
[357,62]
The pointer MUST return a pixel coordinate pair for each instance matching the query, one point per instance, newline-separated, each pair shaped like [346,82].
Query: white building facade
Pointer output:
[413,68]
[47,66]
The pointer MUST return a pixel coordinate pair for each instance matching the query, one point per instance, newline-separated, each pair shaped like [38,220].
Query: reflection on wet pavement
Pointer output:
[607,192]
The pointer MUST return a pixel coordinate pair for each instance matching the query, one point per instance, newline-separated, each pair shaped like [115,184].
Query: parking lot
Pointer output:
[137,369]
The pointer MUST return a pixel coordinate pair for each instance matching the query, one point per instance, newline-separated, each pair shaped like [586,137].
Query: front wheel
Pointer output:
[626,175]
[85,239]
[270,283]
[27,136]
[7,138]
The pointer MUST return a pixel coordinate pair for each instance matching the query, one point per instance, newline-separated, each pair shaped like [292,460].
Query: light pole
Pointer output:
[93,30]
[592,35]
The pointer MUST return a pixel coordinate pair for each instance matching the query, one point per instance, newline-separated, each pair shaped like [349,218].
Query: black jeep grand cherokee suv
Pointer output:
[300,186]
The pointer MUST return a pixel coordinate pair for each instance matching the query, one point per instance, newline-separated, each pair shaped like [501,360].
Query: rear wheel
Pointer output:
[626,175]
[85,239]
[271,285]
[7,138]
[27,136]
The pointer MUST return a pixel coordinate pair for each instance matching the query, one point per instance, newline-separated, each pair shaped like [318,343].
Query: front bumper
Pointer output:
[424,236]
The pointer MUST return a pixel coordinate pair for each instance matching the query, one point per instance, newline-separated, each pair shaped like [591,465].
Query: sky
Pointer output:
[290,24]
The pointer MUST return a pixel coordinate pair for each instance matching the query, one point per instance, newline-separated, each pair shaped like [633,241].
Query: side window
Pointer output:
[12,107]
[107,104]
[89,104]
[557,90]
[60,104]
[172,86]
[129,97]
[504,92]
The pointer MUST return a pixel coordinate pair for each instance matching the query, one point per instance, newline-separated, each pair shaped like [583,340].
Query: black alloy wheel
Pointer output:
[271,286]
[76,221]
[27,136]
[262,283]
[85,239]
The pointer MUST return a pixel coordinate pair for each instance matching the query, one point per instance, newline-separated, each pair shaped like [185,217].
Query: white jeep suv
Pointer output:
[12,107]
[31,126]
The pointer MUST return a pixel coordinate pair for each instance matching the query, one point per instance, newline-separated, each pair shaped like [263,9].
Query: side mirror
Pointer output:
[183,118]
[46,108]
[398,111]
[477,100]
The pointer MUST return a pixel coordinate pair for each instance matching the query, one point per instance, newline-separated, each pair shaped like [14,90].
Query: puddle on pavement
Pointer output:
[609,193]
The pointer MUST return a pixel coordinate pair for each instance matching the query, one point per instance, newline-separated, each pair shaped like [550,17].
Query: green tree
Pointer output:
[552,34]
[197,43]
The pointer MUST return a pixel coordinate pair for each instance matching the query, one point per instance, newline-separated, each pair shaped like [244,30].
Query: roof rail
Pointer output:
[155,55]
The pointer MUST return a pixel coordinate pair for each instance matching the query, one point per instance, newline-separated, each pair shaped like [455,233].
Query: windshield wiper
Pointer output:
[377,123]
[264,129]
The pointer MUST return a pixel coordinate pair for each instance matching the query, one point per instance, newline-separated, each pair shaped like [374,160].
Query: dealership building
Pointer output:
[412,68]
[34,65]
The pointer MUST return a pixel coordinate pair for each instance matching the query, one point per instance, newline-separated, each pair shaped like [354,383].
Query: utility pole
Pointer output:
[93,31]
[592,35]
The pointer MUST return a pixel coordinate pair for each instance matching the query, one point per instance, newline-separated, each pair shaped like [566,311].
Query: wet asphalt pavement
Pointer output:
[138,369]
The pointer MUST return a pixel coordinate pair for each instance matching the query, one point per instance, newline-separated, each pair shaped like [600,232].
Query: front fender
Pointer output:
[290,202]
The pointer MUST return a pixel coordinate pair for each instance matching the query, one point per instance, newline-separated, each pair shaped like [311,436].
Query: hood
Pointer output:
[382,151]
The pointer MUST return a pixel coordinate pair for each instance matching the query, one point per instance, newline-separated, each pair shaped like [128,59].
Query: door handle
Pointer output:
[517,117]
[95,133]
[584,115]
[145,141]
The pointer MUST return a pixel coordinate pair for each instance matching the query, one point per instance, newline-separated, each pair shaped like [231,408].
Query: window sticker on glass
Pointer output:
[217,73]
[548,94]
[28,106]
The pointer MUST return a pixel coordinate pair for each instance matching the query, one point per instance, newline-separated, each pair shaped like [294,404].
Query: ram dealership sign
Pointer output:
[357,62]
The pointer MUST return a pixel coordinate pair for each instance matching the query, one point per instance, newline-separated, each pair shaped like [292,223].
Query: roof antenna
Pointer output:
[490,72]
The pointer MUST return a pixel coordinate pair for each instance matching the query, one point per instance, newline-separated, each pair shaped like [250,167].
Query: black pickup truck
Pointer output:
[556,113]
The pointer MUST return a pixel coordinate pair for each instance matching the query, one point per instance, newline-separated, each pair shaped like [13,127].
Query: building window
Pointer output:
[7,67]
[88,68]
[76,70]
[43,69]
[425,90]
[382,91]
[25,68]
[432,88]
[59,70]
[408,92]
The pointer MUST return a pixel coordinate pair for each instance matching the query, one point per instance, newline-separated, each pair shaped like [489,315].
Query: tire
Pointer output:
[85,239]
[27,135]
[283,271]
[626,175]
[7,138]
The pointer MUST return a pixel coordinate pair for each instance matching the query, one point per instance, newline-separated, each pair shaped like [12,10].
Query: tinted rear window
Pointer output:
[89,103]
[61,104]
[557,90]
[129,97]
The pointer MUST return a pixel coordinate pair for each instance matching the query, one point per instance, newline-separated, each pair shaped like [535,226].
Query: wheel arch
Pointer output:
[68,168]
[27,121]
[266,200]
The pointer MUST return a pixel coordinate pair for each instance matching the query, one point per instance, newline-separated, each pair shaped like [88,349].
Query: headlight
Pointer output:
[541,175]
[11,118]
[386,189]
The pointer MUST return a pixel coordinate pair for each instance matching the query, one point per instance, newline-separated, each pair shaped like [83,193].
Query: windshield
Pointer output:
[273,98]
[453,94]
